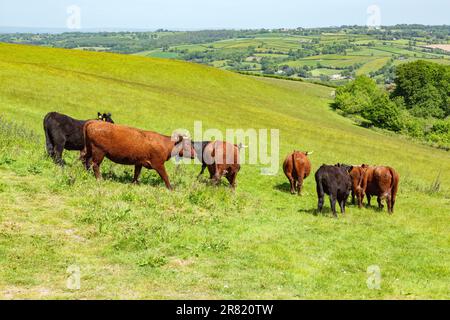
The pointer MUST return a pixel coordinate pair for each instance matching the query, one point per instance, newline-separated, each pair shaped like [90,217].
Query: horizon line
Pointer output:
[60,30]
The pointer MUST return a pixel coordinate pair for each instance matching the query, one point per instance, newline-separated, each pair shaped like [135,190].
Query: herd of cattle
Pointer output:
[100,138]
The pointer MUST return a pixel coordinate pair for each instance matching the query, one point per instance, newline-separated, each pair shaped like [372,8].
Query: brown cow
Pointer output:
[297,167]
[357,175]
[130,146]
[382,182]
[221,158]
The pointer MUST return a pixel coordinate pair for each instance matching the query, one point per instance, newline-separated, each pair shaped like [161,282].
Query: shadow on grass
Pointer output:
[366,206]
[150,178]
[283,187]
[326,212]
[311,211]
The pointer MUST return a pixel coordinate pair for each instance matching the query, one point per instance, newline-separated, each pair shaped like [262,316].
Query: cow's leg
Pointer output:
[58,149]
[360,197]
[369,197]
[292,183]
[343,202]
[353,198]
[231,177]
[333,204]
[300,182]
[203,170]
[320,197]
[87,159]
[342,206]
[59,141]
[82,157]
[389,203]
[163,174]
[380,203]
[217,175]
[97,158]
[211,170]
[48,143]
[137,172]
[392,203]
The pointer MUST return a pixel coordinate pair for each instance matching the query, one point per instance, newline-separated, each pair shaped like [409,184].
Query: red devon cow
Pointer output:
[130,146]
[357,175]
[297,167]
[221,158]
[381,182]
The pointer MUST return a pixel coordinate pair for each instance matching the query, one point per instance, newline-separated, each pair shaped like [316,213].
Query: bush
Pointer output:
[440,132]
[363,97]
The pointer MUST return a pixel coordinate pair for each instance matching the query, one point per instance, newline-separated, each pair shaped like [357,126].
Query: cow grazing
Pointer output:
[130,146]
[297,167]
[334,181]
[221,158]
[357,174]
[379,181]
[63,132]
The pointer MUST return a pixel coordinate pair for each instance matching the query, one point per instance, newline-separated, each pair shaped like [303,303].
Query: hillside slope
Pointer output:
[202,242]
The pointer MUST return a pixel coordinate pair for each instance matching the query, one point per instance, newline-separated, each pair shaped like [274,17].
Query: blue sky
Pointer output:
[201,14]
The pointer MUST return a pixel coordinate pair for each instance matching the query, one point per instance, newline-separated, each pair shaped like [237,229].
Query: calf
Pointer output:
[297,167]
[130,146]
[221,158]
[382,182]
[63,132]
[334,181]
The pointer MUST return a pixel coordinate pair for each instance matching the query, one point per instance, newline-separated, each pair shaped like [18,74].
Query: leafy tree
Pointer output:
[425,87]
[364,98]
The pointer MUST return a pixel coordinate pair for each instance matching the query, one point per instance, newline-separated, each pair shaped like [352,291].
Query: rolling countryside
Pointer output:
[200,241]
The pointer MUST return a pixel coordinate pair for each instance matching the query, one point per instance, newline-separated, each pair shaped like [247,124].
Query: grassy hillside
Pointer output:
[199,241]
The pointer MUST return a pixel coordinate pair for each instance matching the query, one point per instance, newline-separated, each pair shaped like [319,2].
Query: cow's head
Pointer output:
[346,167]
[105,117]
[183,147]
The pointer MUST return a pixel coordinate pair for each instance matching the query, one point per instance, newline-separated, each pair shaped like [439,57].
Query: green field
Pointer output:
[367,55]
[200,241]
[372,65]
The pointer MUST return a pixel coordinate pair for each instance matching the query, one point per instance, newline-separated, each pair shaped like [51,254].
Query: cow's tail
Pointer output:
[294,167]
[48,138]
[86,153]
[394,186]
[361,179]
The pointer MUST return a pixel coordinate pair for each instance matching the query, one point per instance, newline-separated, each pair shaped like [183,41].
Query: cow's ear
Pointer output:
[350,168]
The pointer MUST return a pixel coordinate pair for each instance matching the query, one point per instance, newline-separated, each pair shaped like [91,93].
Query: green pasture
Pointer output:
[200,241]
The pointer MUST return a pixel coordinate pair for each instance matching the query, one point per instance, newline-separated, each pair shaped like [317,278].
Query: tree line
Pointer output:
[418,103]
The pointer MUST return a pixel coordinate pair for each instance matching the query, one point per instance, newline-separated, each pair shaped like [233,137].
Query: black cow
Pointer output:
[336,182]
[63,132]
[199,147]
